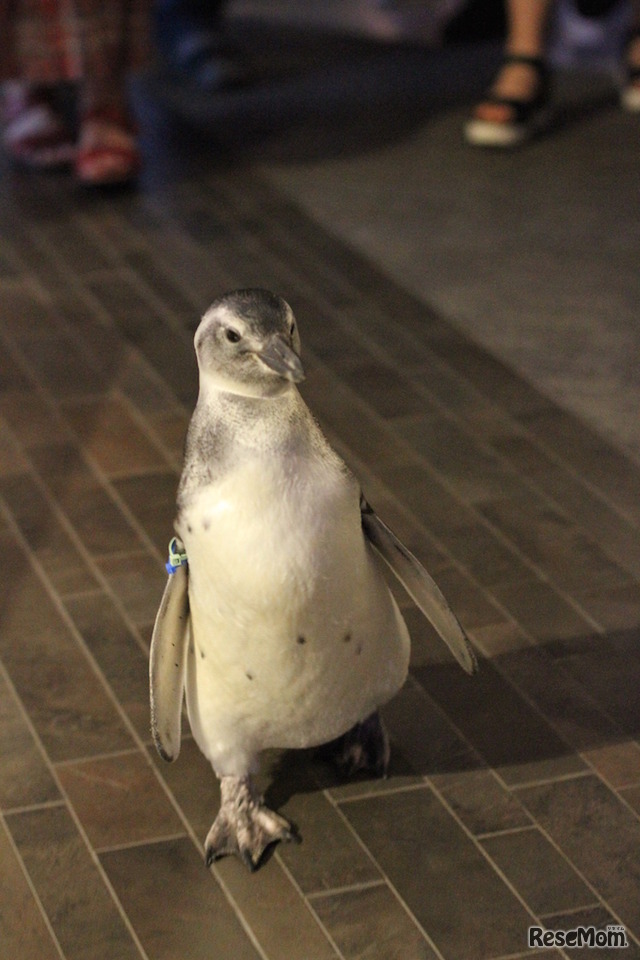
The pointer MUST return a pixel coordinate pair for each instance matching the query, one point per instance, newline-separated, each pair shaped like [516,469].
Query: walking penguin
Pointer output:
[276,621]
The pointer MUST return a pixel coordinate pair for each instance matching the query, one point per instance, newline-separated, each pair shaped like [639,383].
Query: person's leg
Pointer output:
[519,86]
[113,36]
[34,130]
[192,43]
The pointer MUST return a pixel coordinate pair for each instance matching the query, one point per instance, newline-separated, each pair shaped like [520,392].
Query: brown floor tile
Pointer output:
[340,411]
[329,855]
[46,535]
[117,652]
[568,704]
[550,541]
[541,876]
[499,639]
[540,611]
[151,499]
[613,608]
[112,438]
[370,924]
[610,471]
[63,367]
[119,800]
[177,908]
[447,884]
[383,389]
[598,834]
[84,917]
[96,519]
[577,499]
[25,778]
[472,607]
[30,418]
[617,763]
[442,514]
[76,244]
[481,802]
[12,460]
[485,707]
[12,377]
[66,702]
[427,741]
[24,930]
[608,667]
[486,557]
[137,580]
[169,353]
[632,797]
[192,782]
[474,472]
[279,917]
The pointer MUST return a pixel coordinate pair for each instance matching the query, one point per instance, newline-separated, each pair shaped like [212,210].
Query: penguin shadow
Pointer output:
[529,715]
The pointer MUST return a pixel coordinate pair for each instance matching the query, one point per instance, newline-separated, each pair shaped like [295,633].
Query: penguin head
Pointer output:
[247,343]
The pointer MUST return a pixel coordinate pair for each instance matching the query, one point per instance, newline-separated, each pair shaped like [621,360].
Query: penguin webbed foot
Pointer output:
[363,749]
[245,826]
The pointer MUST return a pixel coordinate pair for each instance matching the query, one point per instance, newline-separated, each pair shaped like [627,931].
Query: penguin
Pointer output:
[276,622]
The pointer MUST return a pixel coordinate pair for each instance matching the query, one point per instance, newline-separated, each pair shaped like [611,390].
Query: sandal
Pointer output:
[524,117]
[630,93]
[35,133]
[107,154]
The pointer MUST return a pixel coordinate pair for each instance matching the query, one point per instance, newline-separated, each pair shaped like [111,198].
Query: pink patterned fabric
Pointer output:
[47,41]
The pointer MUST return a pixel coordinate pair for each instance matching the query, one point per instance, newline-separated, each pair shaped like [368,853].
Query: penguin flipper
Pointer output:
[167,663]
[420,586]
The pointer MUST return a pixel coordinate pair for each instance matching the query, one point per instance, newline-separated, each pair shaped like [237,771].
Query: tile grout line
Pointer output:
[23,868]
[349,888]
[76,820]
[405,907]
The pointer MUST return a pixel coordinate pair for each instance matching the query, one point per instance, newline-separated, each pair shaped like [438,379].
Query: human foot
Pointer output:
[630,96]
[107,153]
[34,131]
[511,111]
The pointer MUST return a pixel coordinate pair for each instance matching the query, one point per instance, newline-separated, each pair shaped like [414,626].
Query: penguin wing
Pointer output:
[167,664]
[420,586]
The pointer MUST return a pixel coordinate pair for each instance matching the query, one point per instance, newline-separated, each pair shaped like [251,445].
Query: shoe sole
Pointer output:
[630,99]
[505,136]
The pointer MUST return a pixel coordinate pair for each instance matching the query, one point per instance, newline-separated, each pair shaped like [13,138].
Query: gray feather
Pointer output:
[167,664]
[420,586]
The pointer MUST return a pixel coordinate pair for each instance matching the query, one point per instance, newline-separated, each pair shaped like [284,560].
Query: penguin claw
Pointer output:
[245,826]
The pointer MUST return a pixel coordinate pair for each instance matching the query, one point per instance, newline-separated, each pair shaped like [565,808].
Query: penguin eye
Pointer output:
[232,335]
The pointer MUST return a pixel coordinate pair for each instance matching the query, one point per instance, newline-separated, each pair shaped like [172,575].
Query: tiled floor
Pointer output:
[514,796]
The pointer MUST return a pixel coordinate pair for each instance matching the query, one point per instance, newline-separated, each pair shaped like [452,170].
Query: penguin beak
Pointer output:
[279,356]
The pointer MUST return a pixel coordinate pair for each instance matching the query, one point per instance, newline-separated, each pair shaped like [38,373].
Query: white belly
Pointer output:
[295,634]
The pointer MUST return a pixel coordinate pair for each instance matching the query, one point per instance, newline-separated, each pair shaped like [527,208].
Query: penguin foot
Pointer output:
[364,748]
[244,825]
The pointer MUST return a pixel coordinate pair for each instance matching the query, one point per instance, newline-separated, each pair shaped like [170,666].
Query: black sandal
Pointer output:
[630,93]
[527,116]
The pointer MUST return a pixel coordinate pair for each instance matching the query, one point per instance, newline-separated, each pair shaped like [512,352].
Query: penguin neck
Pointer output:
[250,417]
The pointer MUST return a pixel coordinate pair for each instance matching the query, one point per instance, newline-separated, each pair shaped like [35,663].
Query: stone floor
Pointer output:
[442,335]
